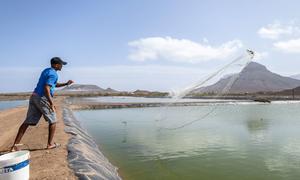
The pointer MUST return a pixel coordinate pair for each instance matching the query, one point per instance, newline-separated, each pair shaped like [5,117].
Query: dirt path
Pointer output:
[44,164]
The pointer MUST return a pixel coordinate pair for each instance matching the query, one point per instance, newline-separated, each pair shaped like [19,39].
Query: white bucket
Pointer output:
[14,166]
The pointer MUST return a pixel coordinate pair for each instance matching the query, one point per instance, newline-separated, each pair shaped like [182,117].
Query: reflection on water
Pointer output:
[257,125]
[234,142]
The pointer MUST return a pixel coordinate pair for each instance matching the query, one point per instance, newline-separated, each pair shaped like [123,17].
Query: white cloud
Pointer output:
[180,50]
[260,55]
[290,46]
[276,30]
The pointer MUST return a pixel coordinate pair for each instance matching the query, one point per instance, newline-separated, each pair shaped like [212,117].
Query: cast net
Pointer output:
[213,88]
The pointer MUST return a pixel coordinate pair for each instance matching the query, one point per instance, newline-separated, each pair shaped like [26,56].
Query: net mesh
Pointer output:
[217,84]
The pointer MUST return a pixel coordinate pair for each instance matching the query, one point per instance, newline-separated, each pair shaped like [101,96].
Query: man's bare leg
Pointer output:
[51,135]
[19,136]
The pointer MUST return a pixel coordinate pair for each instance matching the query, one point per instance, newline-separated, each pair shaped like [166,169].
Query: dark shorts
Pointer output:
[39,106]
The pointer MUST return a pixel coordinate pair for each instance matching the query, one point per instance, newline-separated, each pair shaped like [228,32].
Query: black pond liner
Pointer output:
[84,156]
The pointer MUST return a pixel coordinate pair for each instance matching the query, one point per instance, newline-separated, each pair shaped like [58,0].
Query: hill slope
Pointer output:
[253,78]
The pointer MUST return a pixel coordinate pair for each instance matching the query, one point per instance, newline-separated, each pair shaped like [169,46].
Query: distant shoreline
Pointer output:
[251,97]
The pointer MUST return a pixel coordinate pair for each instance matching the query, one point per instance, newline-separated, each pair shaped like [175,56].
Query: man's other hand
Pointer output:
[53,108]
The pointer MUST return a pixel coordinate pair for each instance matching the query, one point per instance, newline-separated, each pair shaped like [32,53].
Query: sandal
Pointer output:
[55,145]
[15,147]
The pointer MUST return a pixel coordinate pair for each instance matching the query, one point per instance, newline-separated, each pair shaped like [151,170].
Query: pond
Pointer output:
[225,141]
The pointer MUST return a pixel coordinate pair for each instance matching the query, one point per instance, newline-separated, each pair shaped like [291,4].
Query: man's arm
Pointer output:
[61,84]
[64,84]
[48,96]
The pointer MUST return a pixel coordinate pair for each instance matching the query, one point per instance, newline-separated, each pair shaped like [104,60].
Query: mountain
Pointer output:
[138,91]
[110,90]
[87,87]
[297,76]
[289,92]
[253,78]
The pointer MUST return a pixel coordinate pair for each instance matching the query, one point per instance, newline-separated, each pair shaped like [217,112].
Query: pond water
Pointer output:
[127,99]
[235,141]
[12,104]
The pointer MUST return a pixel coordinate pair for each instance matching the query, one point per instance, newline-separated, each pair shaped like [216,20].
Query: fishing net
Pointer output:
[213,87]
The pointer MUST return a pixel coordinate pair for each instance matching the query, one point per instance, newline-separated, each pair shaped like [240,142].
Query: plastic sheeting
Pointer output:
[84,156]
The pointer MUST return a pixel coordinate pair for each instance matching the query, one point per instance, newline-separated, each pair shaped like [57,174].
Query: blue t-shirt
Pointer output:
[48,77]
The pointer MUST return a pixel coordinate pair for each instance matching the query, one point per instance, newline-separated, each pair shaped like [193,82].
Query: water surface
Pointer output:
[12,104]
[127,99]
[235,141]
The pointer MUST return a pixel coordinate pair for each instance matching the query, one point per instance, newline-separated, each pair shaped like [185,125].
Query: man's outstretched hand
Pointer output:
[70,82]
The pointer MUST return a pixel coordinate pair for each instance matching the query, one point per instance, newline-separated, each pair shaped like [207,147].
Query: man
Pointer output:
[41,103]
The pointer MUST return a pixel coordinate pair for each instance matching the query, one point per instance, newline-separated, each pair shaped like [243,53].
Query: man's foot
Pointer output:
[53,146]
[15,147]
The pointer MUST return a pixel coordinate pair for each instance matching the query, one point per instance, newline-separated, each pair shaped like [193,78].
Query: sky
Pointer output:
[149,44]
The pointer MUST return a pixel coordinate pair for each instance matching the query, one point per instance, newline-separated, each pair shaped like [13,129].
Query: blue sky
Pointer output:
[155,45]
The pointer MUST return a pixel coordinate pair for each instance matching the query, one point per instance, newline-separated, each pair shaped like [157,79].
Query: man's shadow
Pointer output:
[2,152]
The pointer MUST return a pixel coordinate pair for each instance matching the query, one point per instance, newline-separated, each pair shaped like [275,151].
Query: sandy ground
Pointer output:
[44,164]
